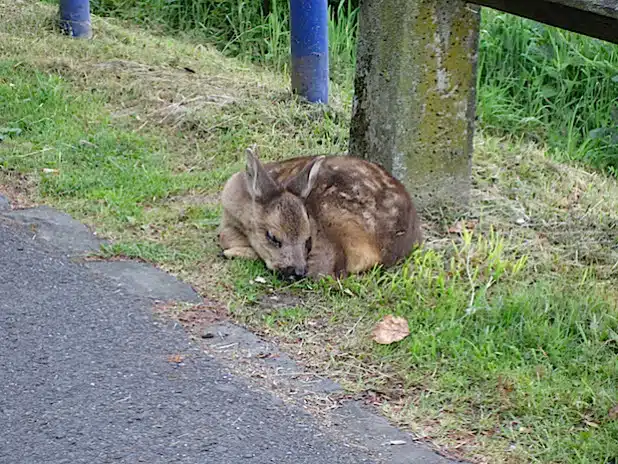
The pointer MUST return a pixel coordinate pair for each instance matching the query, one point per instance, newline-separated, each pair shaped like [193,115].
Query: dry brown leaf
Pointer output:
[572,198]
[175,358]
[462,225]
[613,413]
[390,329]
[456,228]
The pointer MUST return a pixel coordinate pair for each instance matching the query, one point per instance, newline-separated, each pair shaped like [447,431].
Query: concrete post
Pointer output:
[414,103]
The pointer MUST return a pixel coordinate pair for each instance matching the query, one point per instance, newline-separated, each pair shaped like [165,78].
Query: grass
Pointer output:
[540,82]
[553,86]
[513,355]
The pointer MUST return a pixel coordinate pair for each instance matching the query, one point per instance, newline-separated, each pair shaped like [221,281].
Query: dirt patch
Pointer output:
[115,258]
[157,95]
[172,97]
[195,199]
[548,209]
[18,189]
[194,318]
[279,300]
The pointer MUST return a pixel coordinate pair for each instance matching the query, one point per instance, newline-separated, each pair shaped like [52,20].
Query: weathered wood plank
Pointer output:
[414,101]
[607,8]
[595,18]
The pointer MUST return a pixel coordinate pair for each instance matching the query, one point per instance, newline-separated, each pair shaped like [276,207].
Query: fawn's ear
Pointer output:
[261,186]
[303,182]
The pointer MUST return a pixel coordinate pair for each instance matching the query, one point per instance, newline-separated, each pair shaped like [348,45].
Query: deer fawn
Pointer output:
[316,215]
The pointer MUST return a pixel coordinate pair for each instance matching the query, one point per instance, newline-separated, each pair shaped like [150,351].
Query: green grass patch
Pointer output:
[513,349]
[537,81]
[554,86]
[527,364]
[69,143]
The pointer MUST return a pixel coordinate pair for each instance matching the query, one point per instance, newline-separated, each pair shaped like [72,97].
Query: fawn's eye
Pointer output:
[274,241]
[308,245]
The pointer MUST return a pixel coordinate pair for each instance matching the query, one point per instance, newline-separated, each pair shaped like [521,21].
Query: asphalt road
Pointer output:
[85,378]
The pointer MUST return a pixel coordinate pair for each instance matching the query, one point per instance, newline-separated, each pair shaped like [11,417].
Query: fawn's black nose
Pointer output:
[294,272]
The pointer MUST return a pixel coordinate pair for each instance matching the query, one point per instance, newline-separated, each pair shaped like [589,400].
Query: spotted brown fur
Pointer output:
[353,213]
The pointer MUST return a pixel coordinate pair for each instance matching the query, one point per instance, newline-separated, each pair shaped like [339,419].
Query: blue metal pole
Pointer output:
[75,18]
[309,47]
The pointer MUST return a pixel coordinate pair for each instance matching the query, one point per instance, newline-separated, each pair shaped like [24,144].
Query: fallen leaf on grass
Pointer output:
[373,399]
[456,228]
[573,198]
[267,356]
[390,329]
[460,226]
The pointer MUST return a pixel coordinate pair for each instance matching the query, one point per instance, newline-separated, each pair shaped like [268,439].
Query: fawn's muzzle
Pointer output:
[293,272]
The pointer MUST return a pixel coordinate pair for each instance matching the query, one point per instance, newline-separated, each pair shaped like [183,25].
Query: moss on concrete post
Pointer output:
[414,102]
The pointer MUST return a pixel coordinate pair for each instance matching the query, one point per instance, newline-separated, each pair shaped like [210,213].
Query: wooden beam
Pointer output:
[594,18]
[607,8]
